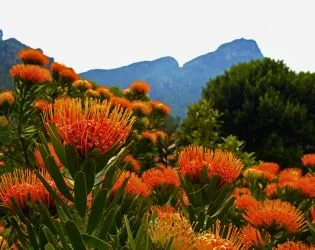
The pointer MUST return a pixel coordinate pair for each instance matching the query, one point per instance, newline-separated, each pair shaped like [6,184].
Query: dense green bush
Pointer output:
[266,105]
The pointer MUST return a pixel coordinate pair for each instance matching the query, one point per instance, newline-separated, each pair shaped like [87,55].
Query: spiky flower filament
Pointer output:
[171,225]
[221,237]
[275,213]
[222,163]
[22,186]
[92,125]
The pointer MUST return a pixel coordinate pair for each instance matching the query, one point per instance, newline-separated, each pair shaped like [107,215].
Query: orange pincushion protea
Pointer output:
[91,126]
[151,136]
[251,236]
[224,164]
[276,213]
[33,56]
[6,97]
[41,105]
[246,201]
[157,177]
[228,238]
[268,167]
[289,176]
[308,160]
[144,107]
[291,245]
[170,225]
[140,87]
[306,185]
[136,166]
[271,189]
[104,92]
[82,84]
[63,72]
[121,102]
[135,185]
[23,185]
[163,108]
[30,74]
[92,93]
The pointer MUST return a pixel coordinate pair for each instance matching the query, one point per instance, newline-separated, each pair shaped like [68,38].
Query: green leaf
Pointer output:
[61,235]
[97,209]
[31,235]
[131,240]
[72,162]
[74,236]
[80,194]
[108,222]
[94,242]
[53,193]
[49,246]
[50,237]
[89,170]
[55,173]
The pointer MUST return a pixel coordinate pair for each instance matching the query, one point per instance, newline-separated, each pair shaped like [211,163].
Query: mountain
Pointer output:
[8,57]
[175,85]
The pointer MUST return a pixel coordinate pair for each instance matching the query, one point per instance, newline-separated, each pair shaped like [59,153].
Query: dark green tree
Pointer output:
[268,106]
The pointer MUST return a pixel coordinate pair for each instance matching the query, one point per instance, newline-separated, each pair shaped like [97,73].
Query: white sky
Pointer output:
[112,33]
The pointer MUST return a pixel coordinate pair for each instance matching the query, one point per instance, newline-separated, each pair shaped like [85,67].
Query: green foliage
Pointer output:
[268,106]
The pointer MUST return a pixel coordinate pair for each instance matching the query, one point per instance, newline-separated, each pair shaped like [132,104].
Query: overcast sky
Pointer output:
[108,34]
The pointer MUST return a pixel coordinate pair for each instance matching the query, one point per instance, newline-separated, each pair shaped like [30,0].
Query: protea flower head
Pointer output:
[30,74]
[222,163]
[33,56]
[92,125]
[220,237]
[277,214]
[23,186]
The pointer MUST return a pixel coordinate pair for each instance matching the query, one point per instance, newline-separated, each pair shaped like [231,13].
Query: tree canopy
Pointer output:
[268,106]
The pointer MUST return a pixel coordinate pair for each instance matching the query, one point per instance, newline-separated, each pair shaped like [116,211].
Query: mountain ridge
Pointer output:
[177,85]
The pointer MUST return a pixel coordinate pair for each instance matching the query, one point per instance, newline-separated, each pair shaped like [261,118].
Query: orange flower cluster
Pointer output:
[22,185]
[290,245]
[41,105]
[33,56]
[157,177]
[153,136]
[121,102]
[82,84]
[308,160]
[246,201]
[30,74]
[276,213]
[271,189]
[135,185]
[104,93]
[222,163]
[88,126]
[3,243]
[6,98]
[220,238]
[161,107]
[251,236]
[144,107]
[65,73]
[141,87]
[267,170]
[92,93]
[39,159]
[136,166]
[170,225]
[289,176]
[306,185]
